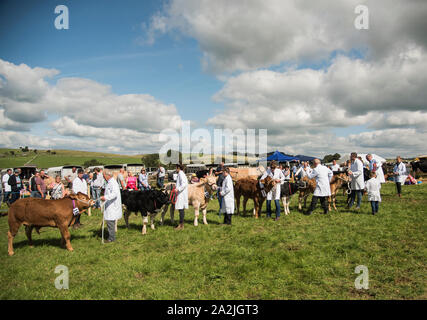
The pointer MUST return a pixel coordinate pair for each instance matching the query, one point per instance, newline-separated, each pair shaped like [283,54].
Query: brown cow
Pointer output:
[337,182]
[305,192]
[250,189]
[37,213]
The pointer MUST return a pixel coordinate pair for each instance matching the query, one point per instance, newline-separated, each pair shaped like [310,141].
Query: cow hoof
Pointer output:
[153,227]
[196,223]
[11,253]
[70,249]
[205,222]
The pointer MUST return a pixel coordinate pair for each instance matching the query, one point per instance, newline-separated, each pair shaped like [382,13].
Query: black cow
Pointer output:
[146,202]
[287,190]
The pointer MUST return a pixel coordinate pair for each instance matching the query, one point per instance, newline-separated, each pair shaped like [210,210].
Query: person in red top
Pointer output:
[131,181]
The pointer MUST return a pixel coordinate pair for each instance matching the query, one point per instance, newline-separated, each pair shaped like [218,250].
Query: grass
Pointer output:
[298,257]
[43,159]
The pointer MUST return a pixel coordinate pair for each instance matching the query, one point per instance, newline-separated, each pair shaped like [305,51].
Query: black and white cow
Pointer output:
[287,190]
[146,202]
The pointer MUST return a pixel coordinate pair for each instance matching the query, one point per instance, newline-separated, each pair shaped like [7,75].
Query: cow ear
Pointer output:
[262,181]
[73,196]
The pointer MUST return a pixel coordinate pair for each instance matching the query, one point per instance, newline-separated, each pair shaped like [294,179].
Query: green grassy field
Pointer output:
[62,157]
[298,257]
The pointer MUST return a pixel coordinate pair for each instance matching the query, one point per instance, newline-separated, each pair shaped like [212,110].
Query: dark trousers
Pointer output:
[14,196]
[277,202]
[6,196]
[77,219]
[227,218]
[323,203]
[111,226]
[374,206]
[181,216]
[399,187]
[353,197]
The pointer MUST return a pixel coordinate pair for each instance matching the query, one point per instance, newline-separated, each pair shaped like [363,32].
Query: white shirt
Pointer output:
[373,186]
[6,186]
[322,175]
[227,192]
[182,188]
[161,172]
[357,177]
[79,185]
[335,167]
[301,171]
[402,174]
[113,201]
[277,174]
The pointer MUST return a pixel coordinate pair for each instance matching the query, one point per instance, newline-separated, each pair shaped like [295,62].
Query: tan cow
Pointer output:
[305,192]
[196,198]
[336,183]
[243,173]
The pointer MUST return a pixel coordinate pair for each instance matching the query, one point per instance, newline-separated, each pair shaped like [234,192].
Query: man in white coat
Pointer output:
[227,194]
[376,166]
[400,174]
[113,204]
[182,196]
[79,185]
[357,183]
[323,176]
[274,194]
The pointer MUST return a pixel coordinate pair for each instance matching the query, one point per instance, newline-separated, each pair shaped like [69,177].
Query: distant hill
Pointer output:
[53,158]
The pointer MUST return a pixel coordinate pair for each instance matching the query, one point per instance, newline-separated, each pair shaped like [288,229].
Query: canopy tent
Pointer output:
[301,157]
[346,157]
[279,157]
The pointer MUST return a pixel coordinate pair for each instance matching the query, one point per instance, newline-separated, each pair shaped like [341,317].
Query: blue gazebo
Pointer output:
[279,157]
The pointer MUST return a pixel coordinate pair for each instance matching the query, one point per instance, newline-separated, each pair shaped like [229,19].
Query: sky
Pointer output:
[125,71]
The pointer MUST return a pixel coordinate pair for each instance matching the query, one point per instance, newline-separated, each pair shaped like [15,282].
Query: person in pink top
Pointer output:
[131,182]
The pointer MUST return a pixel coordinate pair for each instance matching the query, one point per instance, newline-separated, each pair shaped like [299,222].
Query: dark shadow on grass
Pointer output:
[53,242]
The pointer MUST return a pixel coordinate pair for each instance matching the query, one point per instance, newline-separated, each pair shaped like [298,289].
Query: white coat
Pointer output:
[373,186]
[227,192]
[402,174]
[379,171]
[113,201]
[182,188]
[79,185]
[275,192]
[301,172]
[357,178]
[335,167]
[322,175]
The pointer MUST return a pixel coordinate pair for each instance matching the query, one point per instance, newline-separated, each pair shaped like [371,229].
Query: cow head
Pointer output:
[83,200]
[159,198]
[210,182]
[268,183]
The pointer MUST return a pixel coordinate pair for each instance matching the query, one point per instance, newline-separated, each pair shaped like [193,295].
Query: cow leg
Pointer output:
[11,235]
[126,217]
[115,226]
[287,204]
[196,214]
[285,207]
[245,201]
[28,232]
[329,202]
[144,224]
[238,205]
[162,216]
[300,196]
[152,217]
[172,213]
[205,221]
[63,228]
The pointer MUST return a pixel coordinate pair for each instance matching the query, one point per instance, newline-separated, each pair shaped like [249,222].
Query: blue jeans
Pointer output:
[353,197]
[374,206]
[220,201]
[36,194]
[277,202]
[96,195]
[160,182]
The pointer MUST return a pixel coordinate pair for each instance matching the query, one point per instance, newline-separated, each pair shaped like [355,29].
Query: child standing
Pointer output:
[373,186]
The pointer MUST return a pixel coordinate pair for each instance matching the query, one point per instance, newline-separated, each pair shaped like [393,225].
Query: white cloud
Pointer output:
[251,34]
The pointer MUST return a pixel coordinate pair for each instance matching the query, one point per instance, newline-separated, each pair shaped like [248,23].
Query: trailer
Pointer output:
[63,171]
[135,168]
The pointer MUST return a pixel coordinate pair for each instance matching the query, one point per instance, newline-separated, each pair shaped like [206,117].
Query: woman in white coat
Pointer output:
[182,196]
[376,166]
[357,183]
[227,194]
[274,194]
[113,204]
